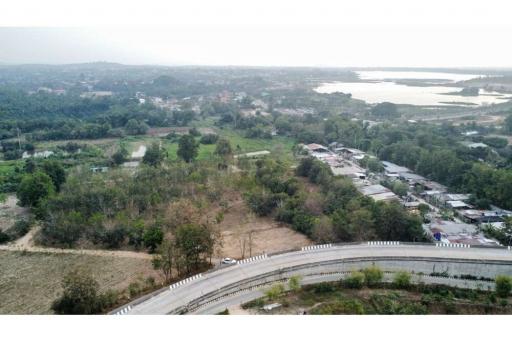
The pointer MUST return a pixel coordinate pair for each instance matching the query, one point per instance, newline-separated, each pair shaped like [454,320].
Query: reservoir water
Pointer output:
[381,86]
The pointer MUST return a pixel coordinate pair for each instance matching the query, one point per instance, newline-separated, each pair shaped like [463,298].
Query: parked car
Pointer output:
[228,261]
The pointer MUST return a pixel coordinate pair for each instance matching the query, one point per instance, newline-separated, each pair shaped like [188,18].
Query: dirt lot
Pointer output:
[267,235]
[10,212]
[163,131]
[30,282]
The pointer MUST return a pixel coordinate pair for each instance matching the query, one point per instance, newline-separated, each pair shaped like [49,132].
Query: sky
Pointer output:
[360,33]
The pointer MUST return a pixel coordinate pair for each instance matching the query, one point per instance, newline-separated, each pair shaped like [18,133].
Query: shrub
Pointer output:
[259,302]
[373,275]
[134,289]
[108,299]
[150,282]
[503,285]
[323,288]
[4,237]
[354,281]
[294,283]
[209,139]
[340,306]
[80,294]
[20,228]
[275,291]
[402,280]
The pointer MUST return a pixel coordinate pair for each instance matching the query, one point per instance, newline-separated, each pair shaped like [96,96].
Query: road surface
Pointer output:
[198,294]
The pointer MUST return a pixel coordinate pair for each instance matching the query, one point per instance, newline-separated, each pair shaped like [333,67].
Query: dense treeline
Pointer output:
[43,116]
[335,211]
[119,209]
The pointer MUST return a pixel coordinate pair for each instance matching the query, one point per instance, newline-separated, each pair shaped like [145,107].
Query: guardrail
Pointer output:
[453,245]
[383,243]
[184,281]
[252,259]
[315,247]
[124,310]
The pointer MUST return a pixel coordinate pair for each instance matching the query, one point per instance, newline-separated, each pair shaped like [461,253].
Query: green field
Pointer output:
[278,145]
[8,166]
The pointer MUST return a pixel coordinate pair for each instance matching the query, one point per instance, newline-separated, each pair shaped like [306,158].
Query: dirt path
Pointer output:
[26,244]
[97,252]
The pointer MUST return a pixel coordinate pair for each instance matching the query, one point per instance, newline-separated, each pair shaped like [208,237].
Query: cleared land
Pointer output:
[30,282]
[10,212]
[267,235]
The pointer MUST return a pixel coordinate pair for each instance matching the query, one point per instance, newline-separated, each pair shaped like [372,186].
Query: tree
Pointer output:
[55,170]
[374,165]
[152,237]
[394,223]
[195,244]
[120,156]
[385,110]
[424,209]
[164,259]
[354,225]
[194,132]
[508,124]
[154,155]
[400,188]
[209,138]
[303,223]
[34,188]
[80,296]
[223,148]
[496,142]
[188,148]
[323,232]
[135,127]
[503,285]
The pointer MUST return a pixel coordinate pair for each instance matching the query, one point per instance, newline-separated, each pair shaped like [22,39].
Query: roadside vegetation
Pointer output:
[364,292]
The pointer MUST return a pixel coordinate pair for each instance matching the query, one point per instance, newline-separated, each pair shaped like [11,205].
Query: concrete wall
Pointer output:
[421,268]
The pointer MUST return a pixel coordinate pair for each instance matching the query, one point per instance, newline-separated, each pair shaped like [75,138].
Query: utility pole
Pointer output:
[19,139]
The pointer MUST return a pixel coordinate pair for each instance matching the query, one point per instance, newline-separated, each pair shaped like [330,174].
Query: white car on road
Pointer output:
[228,261]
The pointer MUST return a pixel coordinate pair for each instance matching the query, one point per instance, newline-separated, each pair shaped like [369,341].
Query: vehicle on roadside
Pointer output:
[228,261]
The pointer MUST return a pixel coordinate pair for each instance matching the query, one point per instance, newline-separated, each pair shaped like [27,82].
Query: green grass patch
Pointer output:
[281,146]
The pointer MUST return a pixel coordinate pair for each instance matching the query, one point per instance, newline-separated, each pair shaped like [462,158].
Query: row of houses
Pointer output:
[343,161]
[462,230]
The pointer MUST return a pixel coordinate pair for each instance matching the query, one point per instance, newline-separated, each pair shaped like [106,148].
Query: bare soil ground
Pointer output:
[267,235]
[10,212]
[31,281]
[163,131]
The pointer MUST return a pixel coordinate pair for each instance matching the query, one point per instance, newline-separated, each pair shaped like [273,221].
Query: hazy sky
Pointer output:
[278,32]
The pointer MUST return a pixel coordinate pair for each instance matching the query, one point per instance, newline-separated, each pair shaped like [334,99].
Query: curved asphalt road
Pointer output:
[181,295]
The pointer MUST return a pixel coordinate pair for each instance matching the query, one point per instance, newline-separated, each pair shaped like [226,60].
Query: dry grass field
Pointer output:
[30,282]
[268,235]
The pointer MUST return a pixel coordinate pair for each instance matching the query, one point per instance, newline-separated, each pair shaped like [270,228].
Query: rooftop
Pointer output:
[393,168]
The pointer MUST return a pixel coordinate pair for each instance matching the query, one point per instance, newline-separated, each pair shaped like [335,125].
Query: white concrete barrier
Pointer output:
[452,245]
[383,243]
[184,281]
[315,247]
[252,259]
[124,310]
